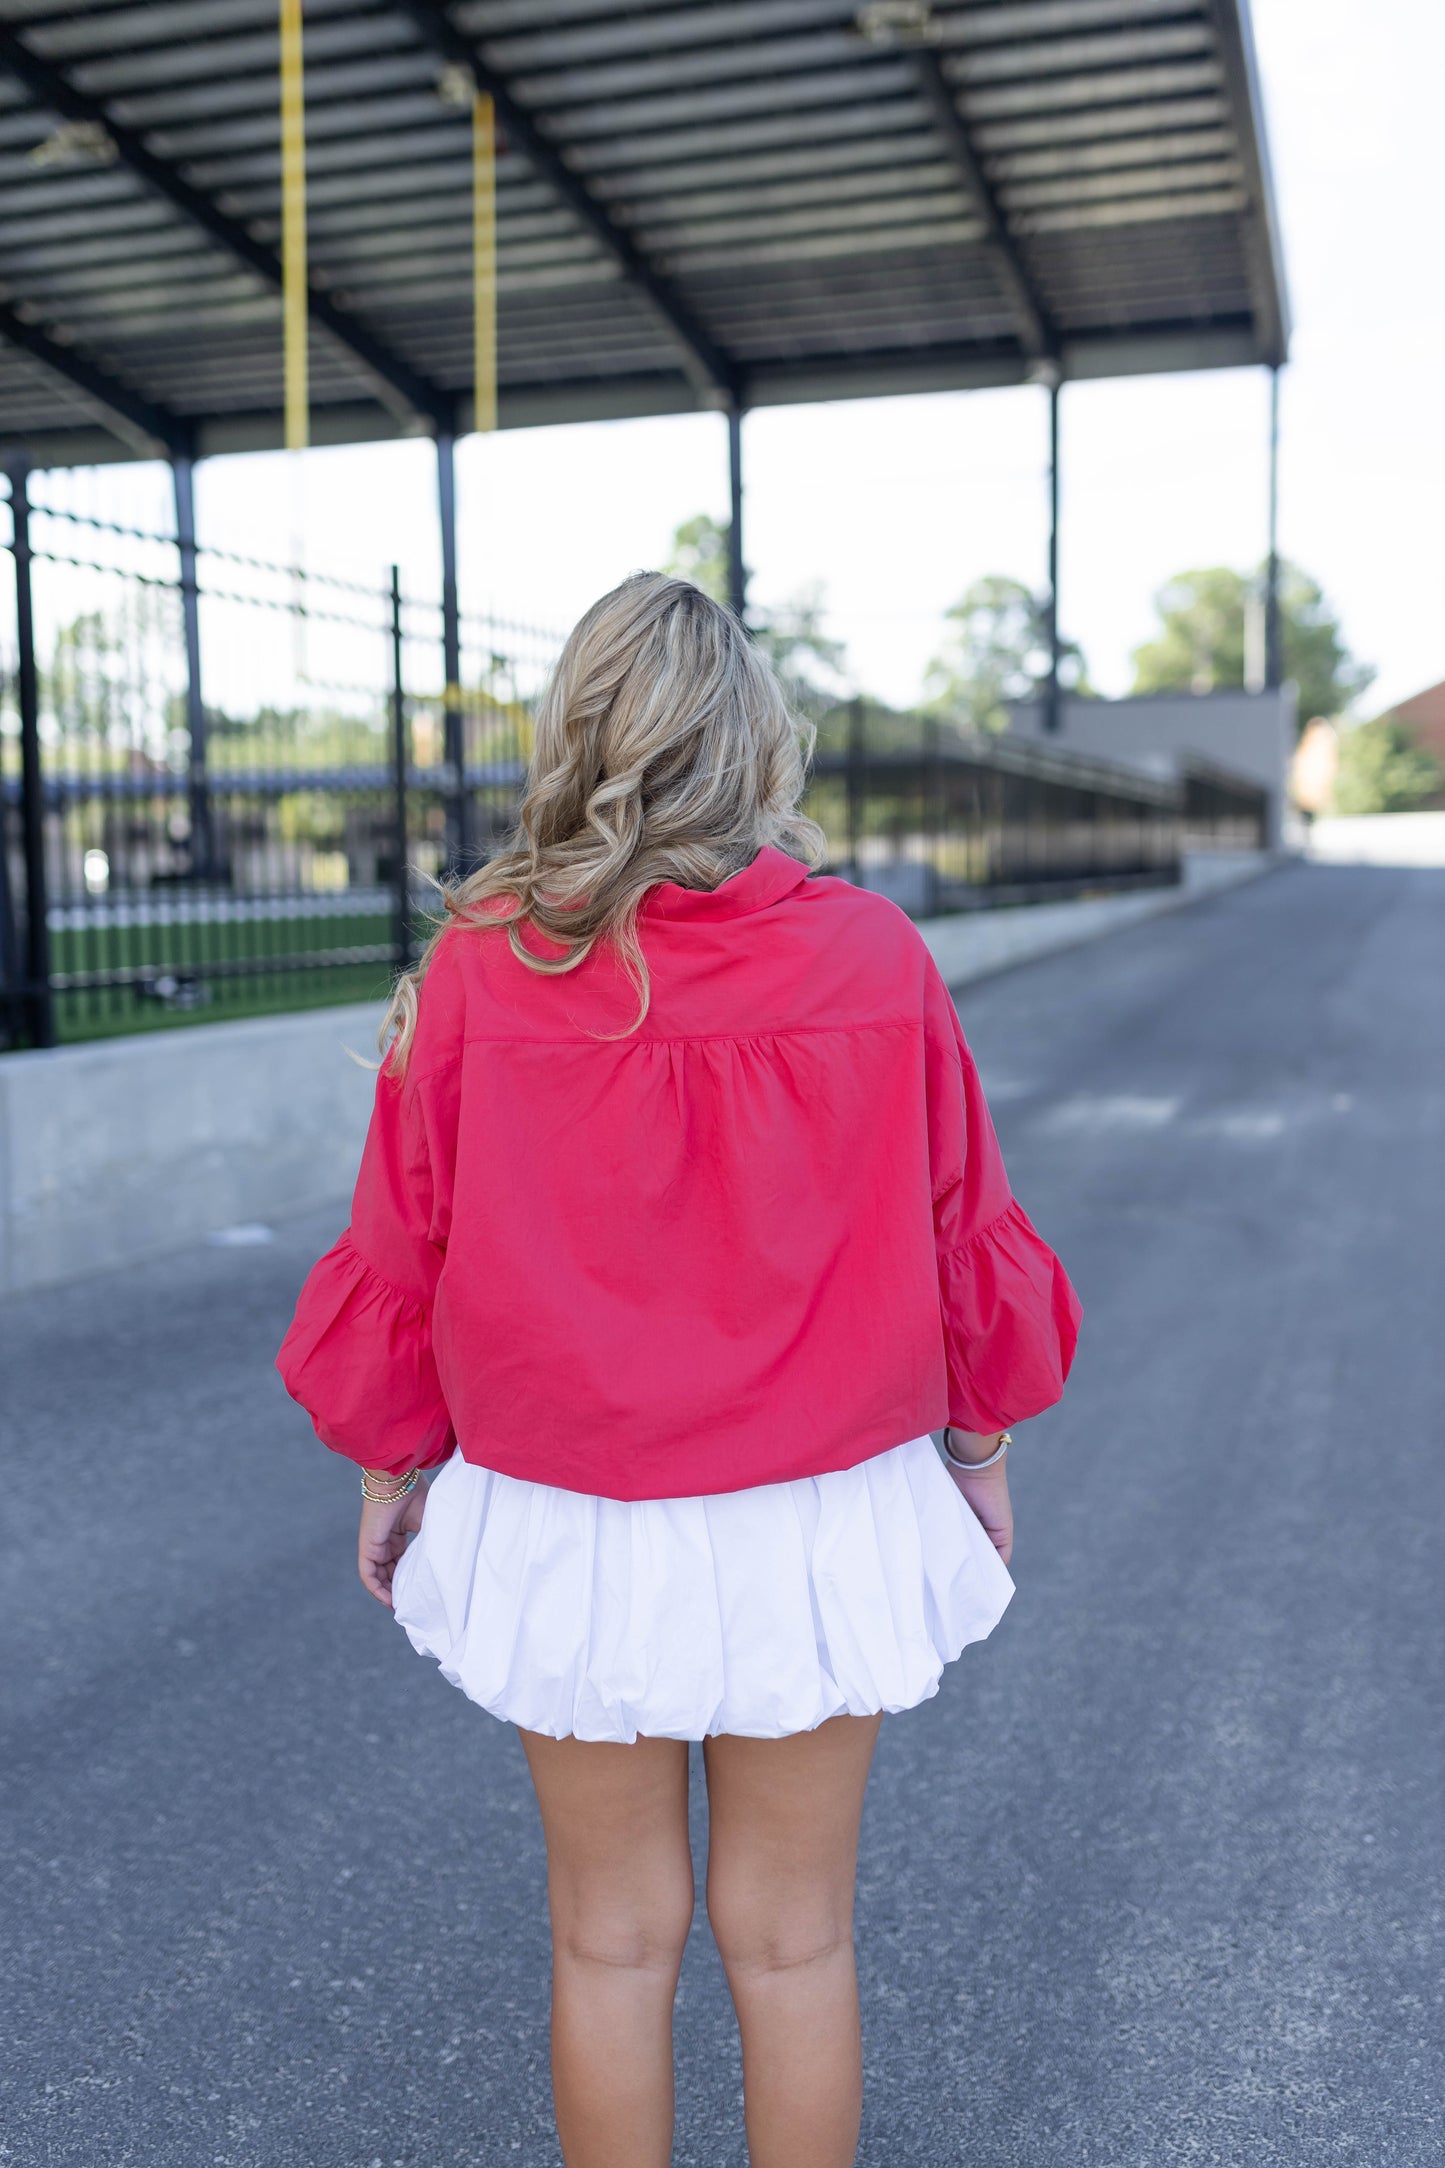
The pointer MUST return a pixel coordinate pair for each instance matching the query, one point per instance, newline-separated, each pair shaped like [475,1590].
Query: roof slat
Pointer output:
[697,200]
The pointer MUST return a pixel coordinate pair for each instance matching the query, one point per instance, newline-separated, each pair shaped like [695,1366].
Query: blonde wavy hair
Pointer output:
[664,751]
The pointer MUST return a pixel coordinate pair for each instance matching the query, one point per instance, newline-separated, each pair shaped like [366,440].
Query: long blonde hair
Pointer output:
[664,751]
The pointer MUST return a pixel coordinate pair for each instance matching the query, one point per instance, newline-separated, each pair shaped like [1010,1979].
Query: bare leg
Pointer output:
[782,1860]
[619,1880]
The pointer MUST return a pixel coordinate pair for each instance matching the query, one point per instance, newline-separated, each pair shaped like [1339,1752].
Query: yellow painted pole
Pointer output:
[294,312]
[484,260]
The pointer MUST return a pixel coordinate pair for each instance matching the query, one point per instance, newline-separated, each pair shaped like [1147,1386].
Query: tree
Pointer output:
[700,553]
[84,685]
[1202,639]
[998,654]
[791,634]
[1382,770]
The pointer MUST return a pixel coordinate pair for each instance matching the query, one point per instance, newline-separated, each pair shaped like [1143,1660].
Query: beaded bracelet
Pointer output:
[389,1498]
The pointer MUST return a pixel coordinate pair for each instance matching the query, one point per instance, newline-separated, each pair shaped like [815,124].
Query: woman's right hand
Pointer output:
[381,1544]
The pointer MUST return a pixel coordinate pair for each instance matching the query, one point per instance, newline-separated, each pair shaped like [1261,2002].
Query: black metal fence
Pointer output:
[227,787]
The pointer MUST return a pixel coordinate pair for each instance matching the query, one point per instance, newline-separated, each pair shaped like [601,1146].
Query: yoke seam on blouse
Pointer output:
[698,1038]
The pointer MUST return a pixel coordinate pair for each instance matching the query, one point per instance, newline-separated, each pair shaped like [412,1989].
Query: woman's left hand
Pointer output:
[985,1490]
[987,1495]
[381,1544]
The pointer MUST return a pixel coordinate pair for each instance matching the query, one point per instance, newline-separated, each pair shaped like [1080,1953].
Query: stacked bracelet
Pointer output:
[1004,1441]
[405,1485]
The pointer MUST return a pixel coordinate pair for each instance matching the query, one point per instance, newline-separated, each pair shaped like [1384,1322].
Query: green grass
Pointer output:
[81,1017]
[186,951]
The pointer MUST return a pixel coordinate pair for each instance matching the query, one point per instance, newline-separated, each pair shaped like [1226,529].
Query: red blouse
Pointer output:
[766,1235]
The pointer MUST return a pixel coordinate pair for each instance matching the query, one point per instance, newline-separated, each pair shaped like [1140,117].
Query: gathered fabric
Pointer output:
[1003,1290]
[763,1237]
[758,1612]
[349,1305]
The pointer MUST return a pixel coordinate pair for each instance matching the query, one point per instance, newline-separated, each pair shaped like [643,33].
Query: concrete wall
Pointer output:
[122,1149]
[1252,734]
[1379,839]
[131,1146]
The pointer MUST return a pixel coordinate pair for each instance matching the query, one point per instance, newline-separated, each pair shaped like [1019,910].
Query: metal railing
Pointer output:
[943,820]
[228,787]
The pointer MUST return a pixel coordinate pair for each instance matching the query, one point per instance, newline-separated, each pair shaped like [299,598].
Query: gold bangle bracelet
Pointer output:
[404,1487]
[1003,1439]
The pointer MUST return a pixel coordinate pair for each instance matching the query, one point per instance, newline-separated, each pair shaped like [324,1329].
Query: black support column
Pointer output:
[737,571]
[400,774]
[202,846]
[1273,645]
[38,1003]
[1053,698]
[454,746]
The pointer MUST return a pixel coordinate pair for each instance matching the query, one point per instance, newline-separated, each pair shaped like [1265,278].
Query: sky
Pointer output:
[890,508]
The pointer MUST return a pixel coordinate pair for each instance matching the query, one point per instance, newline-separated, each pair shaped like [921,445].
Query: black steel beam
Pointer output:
[1036,334]
[55,90]
[704,360]
[143,418]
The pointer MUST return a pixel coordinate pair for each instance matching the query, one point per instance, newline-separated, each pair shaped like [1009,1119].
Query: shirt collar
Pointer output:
[771,876]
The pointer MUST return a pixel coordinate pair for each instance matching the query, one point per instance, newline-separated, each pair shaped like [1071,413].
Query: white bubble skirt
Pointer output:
[761,1612]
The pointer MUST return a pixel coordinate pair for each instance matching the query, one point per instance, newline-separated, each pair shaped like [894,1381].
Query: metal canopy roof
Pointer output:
[700,202]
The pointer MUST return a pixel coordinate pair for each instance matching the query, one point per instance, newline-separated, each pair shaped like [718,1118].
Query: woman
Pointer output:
[681,1224]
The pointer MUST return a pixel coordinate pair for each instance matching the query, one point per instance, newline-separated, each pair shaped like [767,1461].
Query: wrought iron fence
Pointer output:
[228,787]
[228,784]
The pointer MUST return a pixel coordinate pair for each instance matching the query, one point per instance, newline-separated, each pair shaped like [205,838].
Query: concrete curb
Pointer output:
[974,947]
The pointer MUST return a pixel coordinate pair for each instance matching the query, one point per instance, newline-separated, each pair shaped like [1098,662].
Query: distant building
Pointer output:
[1423,715]
[1249,735]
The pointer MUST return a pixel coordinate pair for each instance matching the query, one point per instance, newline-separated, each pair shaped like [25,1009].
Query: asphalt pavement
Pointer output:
[1157,1878]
